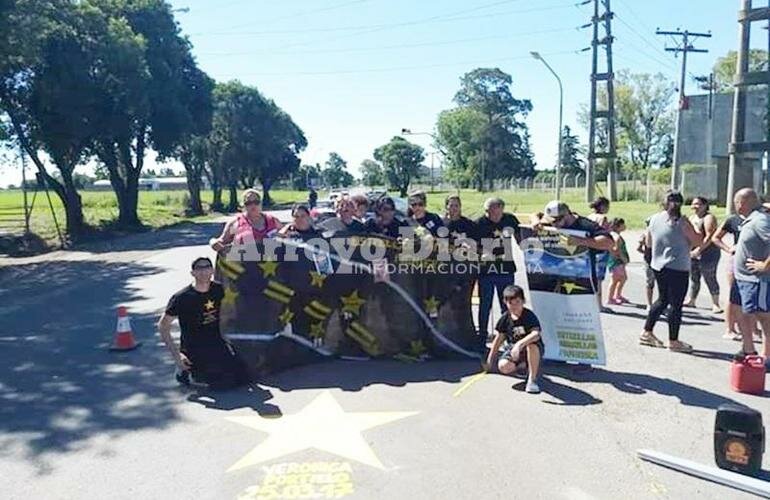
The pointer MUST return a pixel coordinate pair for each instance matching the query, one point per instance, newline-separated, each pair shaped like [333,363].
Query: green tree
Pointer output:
[372,173]
[401,160]
[44,98]
[335,172]
[306,176]
[461,135]
[503,148]
[193,152]
[724,67]
[571,153]
[153,92]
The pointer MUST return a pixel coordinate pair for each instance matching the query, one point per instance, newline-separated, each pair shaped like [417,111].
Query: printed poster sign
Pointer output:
[563,284]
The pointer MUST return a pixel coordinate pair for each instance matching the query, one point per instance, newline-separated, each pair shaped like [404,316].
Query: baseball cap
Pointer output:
[555,210]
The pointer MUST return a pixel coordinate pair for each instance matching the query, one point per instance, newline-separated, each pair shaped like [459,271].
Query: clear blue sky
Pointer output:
[352,73]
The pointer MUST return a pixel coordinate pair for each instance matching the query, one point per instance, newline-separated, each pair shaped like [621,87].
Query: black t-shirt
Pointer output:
[198,314]
[431,222]
[487,229]
[590,227]
[732,225]
[391,230]
[461,228]
[516,329]
[336,225]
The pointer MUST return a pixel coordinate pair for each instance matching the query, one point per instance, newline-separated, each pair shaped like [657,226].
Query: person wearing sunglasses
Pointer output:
[386,222]
[671,238]
[301,227]
[419,213]
[252,225]
[203,354]
[345,222]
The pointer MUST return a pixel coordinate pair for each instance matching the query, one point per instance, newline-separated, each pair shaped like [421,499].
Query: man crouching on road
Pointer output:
[520,328]
[204,352]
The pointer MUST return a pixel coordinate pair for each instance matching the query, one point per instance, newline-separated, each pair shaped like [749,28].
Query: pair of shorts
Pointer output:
[522,354]
[754,296]
[619,271]
[649,276]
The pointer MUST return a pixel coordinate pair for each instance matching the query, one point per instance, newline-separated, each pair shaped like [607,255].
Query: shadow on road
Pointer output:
[354,376]
[642,383]
[181,235]
[247,397]
[59,384]
[686,319]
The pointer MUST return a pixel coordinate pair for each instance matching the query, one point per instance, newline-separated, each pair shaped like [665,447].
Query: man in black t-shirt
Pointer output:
[495,232]
[520,329]
[386,222]
[203,351]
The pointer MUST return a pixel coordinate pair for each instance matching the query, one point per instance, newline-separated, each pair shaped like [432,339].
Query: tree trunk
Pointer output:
[127,204]
[73,206]
[216,203]
[194,187]
[233,205]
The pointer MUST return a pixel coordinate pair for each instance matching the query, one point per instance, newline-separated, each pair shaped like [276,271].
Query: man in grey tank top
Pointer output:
[670,238]
[752,269]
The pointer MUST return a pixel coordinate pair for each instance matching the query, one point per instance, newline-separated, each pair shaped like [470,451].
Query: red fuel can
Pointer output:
[748,375]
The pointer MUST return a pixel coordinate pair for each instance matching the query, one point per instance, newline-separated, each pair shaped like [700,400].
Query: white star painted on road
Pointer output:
[321,425]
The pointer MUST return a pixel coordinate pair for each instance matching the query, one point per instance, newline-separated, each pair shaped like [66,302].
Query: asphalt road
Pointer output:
[79,422]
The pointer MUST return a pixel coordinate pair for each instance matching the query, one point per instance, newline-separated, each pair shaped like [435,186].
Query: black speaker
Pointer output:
[739,439]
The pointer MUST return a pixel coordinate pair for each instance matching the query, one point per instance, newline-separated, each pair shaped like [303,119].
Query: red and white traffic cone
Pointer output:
[124,337]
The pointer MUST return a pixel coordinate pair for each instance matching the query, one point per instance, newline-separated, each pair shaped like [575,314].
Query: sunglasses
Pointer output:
[251,203]
[202,267]
[417,204]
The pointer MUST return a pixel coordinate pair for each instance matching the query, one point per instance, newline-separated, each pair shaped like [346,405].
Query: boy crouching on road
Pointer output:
[520,328]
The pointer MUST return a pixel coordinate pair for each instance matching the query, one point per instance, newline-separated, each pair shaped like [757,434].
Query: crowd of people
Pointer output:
[678,252]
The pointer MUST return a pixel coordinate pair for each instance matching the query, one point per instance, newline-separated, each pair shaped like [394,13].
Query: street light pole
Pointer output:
[537,56]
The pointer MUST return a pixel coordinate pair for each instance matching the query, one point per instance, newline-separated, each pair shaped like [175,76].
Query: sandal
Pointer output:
[650,340]
[680,346]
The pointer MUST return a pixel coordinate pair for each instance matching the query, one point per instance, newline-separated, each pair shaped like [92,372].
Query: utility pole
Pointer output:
[27,210]
[686,48]
[743,79]
[609,154]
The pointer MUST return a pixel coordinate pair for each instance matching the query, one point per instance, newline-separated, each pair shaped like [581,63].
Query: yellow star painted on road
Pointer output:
[209,305]
[352,303]
[321,425]
[317,279]
[286,316]
[230,296]
[268,268]
[317,330]
[571,287]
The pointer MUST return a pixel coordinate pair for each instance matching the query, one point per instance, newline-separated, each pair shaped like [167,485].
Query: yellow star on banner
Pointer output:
[286,316]
[230,296]
[564,241]
[209,305]
[571,287]
[317,279]
[498,233]
[268,268]
[321,425]
[352,303]
[419,231]
[431,305]
[416,348]
[317,330]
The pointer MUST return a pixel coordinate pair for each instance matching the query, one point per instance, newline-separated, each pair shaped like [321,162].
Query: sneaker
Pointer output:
[183,377]
[532,387]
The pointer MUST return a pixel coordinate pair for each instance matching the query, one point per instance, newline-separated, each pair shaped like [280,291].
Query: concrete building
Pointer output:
[154,184]
[704,137]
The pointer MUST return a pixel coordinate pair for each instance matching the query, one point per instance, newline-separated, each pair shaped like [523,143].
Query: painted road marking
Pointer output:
[470,382]
[321,425]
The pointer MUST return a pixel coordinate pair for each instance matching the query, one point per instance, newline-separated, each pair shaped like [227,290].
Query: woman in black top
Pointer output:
[419,213]
[301,226]
[459,226]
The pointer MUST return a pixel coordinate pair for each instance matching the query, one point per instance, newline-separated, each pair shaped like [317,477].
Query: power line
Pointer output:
[403,68]
[302,13]
[392,47]
[378,27]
